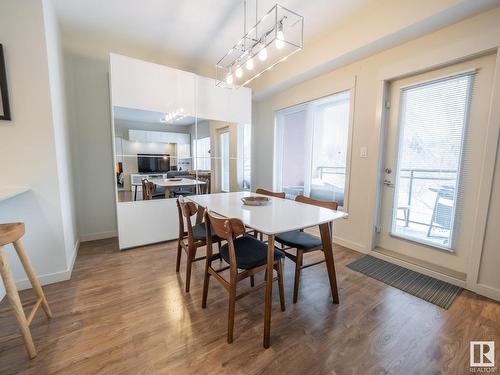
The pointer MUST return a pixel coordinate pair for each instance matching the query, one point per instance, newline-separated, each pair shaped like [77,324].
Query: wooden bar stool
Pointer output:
[12,233]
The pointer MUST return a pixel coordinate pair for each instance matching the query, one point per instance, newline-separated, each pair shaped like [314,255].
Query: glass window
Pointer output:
[202,154]
[433,118]
[312,148]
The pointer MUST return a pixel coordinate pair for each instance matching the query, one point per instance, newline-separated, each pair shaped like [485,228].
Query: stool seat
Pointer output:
[10,233]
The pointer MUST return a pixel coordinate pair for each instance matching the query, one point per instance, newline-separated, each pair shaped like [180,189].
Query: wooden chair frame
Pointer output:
[271,193]
[229,229]
[298,258]
[187,210]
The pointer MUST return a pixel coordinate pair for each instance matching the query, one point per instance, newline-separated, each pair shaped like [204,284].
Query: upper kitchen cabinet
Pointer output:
[147,86]
[222,104]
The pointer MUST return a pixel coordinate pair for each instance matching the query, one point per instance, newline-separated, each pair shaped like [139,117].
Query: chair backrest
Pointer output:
[186,211]
[302,198]
[226,229]
[270,193]
[204,188]
[147,189]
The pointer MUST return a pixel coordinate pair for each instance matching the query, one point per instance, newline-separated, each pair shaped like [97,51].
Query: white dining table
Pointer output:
[278,216]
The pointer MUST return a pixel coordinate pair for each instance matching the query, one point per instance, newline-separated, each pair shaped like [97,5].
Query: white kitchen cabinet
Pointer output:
[152,87]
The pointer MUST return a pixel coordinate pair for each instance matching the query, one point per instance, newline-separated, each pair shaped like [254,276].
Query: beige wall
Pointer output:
[477,34]
[33,150]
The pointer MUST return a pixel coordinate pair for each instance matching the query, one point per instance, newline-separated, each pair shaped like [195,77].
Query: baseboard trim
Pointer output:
[349,244]
[487,291]
[54,277]
[417,268]
[98,236]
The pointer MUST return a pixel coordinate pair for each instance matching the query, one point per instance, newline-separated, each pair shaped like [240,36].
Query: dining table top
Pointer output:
[278,216]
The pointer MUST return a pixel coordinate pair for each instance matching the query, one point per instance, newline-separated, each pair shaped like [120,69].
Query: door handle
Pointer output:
[388,183]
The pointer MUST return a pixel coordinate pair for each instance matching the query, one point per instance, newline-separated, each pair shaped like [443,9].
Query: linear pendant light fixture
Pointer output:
[277,35]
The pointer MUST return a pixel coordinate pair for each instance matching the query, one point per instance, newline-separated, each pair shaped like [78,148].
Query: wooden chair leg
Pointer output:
[252,281]
[232,306]
[220,255]
[279,269]
[205,286]
[179,254]
[15,302]
[189,264]
[28,268]
[298,265]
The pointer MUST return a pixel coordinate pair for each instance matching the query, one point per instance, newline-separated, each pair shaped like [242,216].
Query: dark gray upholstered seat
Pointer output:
[299,239]
[250,252]
[184,193]
[199,233]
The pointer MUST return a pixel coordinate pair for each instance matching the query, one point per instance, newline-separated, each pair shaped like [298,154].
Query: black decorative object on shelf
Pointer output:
[4,94]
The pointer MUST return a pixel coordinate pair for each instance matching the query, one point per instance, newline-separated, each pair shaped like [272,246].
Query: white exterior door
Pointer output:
[433,147]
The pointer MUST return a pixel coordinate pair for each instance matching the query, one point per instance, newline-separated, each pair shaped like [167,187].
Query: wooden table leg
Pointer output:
[269,291]
[326,239]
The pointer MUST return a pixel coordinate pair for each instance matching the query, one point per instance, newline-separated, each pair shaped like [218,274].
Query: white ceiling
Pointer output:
[196,32]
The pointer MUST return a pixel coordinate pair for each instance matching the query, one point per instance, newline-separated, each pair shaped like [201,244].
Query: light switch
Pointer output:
[363,152]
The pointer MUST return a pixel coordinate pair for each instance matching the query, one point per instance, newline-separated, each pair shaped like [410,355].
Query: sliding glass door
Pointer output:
[312,149]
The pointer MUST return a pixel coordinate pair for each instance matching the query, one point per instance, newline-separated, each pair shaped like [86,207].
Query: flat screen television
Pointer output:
[153,163]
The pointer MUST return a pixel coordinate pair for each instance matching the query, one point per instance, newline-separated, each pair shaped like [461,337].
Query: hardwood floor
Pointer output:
[126,313]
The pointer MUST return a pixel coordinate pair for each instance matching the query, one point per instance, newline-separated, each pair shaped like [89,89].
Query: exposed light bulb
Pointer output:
[229,79]
[279,42]
[249,64]
[263,54]
[239,72]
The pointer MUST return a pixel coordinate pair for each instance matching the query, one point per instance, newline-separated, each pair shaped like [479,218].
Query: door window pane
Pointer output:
[433,119]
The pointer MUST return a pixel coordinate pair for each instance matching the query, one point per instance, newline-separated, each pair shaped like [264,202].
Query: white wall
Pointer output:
[477,34]
[61,131]
[91,145]
[33,150]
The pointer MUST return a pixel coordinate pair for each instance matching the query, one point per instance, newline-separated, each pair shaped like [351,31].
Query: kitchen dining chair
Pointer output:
[193,238]
[241,252]
[303,242]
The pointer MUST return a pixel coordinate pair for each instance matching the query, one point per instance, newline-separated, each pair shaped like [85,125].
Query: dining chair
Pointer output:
[303,242]
[148,191]
[204,188]
[186,191]
[193,238]
[241,252]
[269,193]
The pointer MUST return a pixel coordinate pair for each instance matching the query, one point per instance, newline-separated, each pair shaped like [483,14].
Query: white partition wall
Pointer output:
[197,113]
